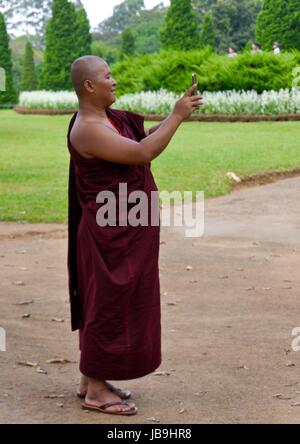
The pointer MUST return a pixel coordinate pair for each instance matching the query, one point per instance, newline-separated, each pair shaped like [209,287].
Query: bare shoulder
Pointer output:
[82,134]
[93,139]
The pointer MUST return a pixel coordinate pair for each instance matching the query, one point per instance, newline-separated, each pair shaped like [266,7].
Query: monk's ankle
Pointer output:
[96,387]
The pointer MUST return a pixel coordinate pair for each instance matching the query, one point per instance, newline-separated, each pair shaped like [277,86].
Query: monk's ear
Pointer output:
[88,84]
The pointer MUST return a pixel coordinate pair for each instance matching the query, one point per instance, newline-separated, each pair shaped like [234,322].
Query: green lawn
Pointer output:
[34,160]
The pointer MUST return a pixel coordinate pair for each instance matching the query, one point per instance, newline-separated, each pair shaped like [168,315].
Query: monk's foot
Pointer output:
[83,388]
[99,394]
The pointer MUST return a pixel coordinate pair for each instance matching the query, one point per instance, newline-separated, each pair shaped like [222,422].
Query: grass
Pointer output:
[34,160]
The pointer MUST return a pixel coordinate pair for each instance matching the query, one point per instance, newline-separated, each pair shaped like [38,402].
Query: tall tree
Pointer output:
[29,81]
[207,34]
[122,16]
[235,22]
[27,17]
[128,43]
[279,20]
[147,29]
[60,47]
[202,6]
[9,96]
[145,23]
[83,38]
[180,29]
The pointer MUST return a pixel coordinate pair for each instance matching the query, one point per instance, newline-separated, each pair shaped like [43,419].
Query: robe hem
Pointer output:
[115,377]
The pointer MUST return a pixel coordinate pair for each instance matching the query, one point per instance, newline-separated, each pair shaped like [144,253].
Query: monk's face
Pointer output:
[103,86]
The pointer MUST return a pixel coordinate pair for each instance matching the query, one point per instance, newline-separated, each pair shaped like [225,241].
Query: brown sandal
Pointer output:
[122,393]
[101,408]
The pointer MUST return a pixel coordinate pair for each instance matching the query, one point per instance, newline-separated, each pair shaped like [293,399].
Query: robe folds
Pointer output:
[113,271]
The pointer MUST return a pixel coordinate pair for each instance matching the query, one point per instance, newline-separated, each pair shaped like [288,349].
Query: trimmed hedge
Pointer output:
[171,70]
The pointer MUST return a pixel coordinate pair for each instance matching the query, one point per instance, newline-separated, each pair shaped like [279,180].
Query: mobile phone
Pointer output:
[194,80]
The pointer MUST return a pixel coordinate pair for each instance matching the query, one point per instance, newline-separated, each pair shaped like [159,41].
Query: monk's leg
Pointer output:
[83,386]
[98,393]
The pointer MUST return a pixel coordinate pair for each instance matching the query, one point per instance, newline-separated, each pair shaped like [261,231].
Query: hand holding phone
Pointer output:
[189,102]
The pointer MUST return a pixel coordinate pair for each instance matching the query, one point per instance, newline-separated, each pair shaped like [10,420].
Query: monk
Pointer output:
[113,270]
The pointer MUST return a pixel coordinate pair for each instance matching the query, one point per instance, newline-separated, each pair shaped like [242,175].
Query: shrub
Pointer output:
[171,70]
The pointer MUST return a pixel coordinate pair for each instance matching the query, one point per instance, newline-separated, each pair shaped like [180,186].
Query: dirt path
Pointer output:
[226,341]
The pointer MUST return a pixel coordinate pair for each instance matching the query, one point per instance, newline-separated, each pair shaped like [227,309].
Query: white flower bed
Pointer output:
[151,102]
[162,102]
[60,100]
[225,102]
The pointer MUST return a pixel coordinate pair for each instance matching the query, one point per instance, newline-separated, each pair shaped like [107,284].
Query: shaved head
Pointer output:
[85,68]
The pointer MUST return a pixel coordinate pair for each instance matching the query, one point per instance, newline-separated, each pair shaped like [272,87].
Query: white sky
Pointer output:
[99,10]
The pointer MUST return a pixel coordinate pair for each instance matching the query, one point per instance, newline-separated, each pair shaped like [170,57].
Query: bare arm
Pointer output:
[99,141]
[151,130]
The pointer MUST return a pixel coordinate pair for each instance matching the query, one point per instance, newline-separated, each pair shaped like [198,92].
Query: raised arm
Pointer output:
[99,141]
[152,130]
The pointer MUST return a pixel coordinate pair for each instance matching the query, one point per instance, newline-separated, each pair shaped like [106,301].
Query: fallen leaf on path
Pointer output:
[26,315]
[59,361]
[18,283]
[41,370]
[54,396]
[25,302]
[57,320]
[282,397]
[152,419]
[27,363]
[181,411]
[290,364]
[188,267]
[161,374]
[200,394]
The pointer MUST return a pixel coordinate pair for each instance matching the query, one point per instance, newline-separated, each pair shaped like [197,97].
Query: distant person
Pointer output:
[256,48]
[232,52]
[276,48]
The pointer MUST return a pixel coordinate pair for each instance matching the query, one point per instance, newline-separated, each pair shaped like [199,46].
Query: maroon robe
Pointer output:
[114,283]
